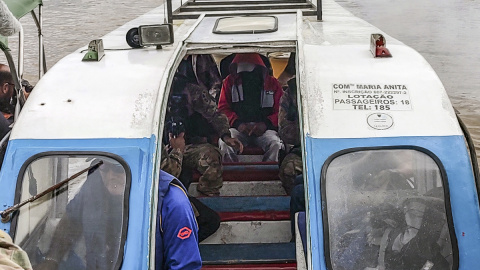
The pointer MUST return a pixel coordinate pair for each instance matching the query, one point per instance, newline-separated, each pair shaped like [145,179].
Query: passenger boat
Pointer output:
[390,182]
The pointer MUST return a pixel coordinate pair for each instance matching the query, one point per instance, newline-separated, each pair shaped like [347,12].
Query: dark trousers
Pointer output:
[297,201]
[208,220]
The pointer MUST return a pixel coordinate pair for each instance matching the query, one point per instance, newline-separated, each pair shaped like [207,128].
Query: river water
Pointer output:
[445,32]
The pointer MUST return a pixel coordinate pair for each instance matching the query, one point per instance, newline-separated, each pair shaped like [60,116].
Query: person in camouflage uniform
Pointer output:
[289,131]
[192,101]
[12,257]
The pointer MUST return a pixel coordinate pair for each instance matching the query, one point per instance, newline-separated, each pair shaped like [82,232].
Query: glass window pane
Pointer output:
[386,210]
[79,225]
[246,24]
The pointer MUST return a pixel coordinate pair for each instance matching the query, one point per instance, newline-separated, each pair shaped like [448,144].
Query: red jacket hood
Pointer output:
[251,58]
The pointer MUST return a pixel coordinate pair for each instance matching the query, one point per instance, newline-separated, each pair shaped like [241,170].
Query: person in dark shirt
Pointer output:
[96,215]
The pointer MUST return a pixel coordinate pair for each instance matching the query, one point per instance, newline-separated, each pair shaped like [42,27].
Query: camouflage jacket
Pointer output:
[207,73]
[204,103]
[171,162]
[288,126]
[202,84]
[12,257]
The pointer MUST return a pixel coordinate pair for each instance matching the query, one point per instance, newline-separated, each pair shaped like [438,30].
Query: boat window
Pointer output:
[246,25]
[386,209]
[80,225]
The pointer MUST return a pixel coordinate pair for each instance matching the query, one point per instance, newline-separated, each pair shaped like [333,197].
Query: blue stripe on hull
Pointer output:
[453,154]
[247,204]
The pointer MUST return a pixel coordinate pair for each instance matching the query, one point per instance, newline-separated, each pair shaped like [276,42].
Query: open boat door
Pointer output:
[390,182]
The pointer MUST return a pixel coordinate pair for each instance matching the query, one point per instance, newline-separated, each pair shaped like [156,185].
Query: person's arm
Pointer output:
[180,232]
[172,162]
[204,104]
[224,103]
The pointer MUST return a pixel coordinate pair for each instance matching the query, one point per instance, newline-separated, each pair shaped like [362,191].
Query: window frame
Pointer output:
[446,192]
[128,181]
[271,30]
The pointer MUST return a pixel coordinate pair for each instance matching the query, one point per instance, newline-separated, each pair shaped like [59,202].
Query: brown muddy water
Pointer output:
[444,32]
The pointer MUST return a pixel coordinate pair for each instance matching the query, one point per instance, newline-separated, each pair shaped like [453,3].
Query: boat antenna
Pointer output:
[5,214]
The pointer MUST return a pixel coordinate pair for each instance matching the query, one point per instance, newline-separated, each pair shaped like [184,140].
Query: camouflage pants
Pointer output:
[291,167]
[206,159]
[12,257]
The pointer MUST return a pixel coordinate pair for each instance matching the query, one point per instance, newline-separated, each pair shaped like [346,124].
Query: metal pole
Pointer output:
[42,61]
[169,11]
[319,10]
[41,71]
[20,53]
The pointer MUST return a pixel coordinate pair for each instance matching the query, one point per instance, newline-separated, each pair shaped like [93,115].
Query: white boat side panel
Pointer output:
[204,32]
[115,97]
[339,75]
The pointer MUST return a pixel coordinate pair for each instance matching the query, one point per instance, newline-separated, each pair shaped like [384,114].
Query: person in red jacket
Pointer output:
[250,98]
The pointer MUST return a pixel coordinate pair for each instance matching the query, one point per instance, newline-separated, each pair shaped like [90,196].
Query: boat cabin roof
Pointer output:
[286,31]
[124,96]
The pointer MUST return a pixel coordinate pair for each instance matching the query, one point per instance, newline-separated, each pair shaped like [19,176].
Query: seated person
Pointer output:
[102,192]
[290,156]
[85,218]
[250,99]
[399,229]
[193,109]
[201,69]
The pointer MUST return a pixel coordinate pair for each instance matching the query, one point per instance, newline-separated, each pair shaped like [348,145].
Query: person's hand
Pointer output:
[177,142]
[235,143]
[258,129]
[245,128]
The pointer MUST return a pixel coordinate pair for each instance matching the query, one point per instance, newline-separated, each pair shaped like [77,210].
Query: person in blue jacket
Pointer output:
[176,239]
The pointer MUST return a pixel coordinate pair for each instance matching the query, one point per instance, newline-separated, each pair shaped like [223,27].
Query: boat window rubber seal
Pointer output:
[128,181]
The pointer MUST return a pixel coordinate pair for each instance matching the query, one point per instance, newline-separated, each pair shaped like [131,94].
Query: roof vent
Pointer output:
[246,25]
